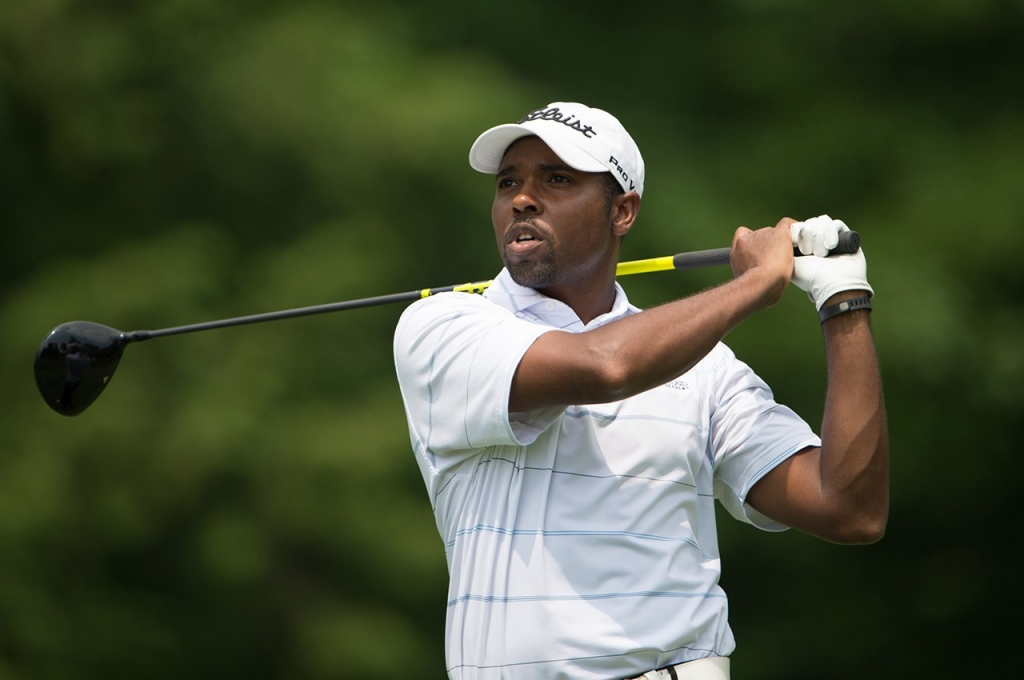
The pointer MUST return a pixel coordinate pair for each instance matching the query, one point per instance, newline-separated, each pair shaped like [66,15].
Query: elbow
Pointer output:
[600,375]
[610,371]
[875,530]
[861,529]
[863,535]
[614,381]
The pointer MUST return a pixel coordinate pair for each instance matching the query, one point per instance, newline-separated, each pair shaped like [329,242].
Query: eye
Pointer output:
[505,182]
[558,179]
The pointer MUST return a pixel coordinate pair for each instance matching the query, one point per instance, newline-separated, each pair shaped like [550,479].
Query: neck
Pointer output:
[589,309]
[588,300]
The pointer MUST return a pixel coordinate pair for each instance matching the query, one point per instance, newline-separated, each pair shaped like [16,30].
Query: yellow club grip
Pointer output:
[656,264]
[477,287]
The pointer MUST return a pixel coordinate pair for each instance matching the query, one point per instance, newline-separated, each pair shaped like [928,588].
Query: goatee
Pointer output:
[534,274]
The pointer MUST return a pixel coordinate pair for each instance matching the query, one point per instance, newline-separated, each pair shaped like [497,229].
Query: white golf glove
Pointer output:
[822,276]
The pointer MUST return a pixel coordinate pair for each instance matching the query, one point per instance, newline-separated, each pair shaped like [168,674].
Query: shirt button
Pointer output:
[549,305]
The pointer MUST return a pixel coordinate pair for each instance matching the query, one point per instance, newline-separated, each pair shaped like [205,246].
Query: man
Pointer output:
[573,445]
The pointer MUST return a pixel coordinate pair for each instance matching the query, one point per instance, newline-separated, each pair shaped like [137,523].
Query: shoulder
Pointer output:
[445,306]
[722,373]
[446,315]
[721,359]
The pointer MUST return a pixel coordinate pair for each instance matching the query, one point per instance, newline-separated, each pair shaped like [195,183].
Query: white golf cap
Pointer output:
[585,138]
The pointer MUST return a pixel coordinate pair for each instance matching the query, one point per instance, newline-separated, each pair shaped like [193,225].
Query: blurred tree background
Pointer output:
[243,503]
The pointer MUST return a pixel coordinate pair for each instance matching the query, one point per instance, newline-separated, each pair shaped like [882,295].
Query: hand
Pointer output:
[767,251]
[822,276]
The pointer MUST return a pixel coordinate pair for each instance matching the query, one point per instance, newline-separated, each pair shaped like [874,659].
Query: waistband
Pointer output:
[709,668]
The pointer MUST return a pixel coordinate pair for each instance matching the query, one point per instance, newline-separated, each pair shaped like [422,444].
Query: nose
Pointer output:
[525,200]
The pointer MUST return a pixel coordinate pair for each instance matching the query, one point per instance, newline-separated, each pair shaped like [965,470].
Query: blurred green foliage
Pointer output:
[243,502]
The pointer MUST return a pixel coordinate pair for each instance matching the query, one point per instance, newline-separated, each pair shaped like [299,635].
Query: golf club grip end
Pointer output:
[849,242]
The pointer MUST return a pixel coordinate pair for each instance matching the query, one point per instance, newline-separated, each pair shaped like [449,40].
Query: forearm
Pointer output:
[640,352]
[839,491]
[855,449]
[666,341]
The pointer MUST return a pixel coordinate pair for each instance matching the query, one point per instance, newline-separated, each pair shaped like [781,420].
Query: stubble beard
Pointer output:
[536,274]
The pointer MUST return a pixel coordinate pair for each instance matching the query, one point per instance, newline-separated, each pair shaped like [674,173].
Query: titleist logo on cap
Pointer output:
[554,114]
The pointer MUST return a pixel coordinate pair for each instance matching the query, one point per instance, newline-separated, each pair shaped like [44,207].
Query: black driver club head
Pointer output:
[74,363]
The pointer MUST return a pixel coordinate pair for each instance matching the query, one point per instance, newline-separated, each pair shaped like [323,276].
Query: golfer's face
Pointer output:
[552,222]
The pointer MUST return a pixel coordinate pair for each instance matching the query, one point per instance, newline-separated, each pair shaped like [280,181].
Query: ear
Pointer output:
[624,211]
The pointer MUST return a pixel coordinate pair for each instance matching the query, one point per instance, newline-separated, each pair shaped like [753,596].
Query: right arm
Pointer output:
[645,350]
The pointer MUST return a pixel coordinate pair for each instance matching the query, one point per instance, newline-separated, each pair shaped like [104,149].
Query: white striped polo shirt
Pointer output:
[580,541]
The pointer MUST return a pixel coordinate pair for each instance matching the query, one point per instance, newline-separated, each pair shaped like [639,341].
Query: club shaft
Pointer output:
[138,336]
[849,243]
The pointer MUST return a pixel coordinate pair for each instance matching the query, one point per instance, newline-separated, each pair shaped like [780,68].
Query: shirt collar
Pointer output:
[527,303]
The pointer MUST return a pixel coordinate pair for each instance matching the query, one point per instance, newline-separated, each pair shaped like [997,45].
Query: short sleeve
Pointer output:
[455,356]
[750,435]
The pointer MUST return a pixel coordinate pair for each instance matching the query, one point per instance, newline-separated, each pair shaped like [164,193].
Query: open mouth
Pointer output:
[523,239]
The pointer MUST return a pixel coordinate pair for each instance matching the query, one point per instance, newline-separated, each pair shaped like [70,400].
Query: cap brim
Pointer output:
[489,148]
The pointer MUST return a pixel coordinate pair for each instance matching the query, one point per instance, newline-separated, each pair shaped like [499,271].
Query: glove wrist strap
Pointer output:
[843,307]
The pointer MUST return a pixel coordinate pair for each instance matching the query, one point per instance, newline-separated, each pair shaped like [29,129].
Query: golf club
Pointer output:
[76,360]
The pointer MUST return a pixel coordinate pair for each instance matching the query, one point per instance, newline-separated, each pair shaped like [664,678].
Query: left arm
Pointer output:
[839,492]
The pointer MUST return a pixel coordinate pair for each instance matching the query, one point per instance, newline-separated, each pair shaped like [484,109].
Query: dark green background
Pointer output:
[243,503]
